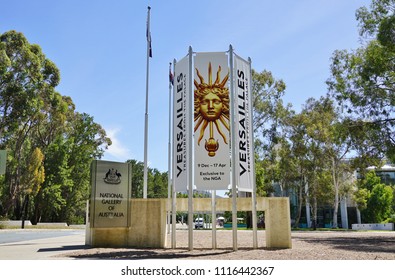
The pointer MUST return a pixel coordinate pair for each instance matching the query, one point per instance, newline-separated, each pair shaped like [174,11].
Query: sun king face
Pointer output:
[211,107]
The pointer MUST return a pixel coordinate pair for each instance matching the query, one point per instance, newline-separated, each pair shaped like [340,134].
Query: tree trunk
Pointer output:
[336,203]
[315,212]
[335,209]
[300,205]
[25,207]
[359,220]
[36,212]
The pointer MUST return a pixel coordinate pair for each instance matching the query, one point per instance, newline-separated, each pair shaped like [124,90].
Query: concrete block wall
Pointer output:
[147,222]
[388,226]
[147,227]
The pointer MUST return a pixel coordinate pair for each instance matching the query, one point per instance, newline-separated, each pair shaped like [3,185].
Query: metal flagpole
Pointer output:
[169,153]
[149,54]
[173,199]
[233,141]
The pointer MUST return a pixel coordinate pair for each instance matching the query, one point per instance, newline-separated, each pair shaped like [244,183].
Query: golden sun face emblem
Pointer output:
[211,107]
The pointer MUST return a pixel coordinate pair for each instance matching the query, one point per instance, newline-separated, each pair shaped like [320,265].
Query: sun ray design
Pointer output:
[205,123]
[220,131]
[211,107]
[225,123]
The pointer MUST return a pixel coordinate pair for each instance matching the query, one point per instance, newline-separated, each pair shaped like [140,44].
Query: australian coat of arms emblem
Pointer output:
[112,176]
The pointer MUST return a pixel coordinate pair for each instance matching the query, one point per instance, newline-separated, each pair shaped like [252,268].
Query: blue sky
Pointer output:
[100,48]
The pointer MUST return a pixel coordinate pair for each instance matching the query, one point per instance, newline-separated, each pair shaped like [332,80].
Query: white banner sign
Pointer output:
[211,121]
[180,124]
[244,156]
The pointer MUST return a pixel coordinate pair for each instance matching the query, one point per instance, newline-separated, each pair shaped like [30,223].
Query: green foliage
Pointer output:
[262,188]
[35,173]
[269,112]
[371,20]
[379,204]
[137,178]
[50,145]
[26,75]
[361,197]
[386,33]
[157,186]
[157,181]
[391,219]
[374,199]
[363,81]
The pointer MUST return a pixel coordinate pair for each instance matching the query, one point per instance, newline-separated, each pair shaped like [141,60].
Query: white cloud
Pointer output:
[117,151]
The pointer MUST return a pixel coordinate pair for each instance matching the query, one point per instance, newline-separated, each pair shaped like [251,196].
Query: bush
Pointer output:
[390,219]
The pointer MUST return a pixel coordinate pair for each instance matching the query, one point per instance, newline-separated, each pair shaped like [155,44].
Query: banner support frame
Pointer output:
[190,152]
[233,141]
[214,218]
[253,195]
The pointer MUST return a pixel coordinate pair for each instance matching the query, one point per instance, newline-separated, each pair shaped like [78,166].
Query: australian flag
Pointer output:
[149,33]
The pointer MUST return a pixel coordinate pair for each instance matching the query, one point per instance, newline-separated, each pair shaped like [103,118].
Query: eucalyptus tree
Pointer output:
[363,80]
[26,76]
[342,168]
[268,107]
[269,113]
[157,184]
[316,119]
[137,178]
[86,140]
[320,144]
[297,136]
[32,179]
[27,79]
[65,190]
[157,181]
[35,117]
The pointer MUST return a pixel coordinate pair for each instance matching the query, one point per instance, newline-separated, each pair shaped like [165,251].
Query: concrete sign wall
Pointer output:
[111,183]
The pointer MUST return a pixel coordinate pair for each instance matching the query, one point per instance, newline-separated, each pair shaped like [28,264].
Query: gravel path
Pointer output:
[320,245]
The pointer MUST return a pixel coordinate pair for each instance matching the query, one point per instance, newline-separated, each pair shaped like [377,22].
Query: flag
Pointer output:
[171,76]
[148,34]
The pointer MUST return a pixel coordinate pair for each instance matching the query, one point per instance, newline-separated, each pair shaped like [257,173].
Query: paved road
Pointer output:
[39,244]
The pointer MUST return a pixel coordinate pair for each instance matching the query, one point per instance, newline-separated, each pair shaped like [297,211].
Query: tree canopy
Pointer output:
[363,80]
[50,145]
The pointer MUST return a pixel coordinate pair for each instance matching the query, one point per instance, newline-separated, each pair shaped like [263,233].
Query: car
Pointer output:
[199,223]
